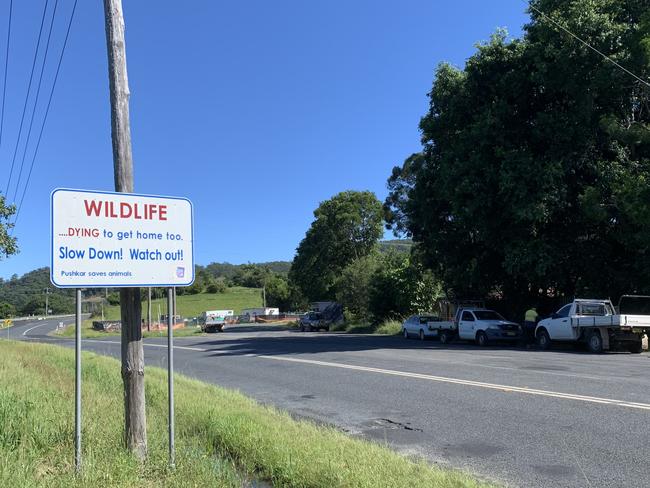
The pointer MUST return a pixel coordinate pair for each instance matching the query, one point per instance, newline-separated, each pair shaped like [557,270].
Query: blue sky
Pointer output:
[255,110]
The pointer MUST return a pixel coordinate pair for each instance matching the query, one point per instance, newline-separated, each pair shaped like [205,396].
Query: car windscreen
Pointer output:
[487,315]
[634,305]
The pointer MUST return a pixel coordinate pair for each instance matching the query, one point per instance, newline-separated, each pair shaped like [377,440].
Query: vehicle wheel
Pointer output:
[405,333]
[327,329]
[636,347]
[543,340]
[595,342]
[421,335]
[309,328]
[481,338]
[445,337]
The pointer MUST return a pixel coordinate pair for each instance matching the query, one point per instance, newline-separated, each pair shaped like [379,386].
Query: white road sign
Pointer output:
[103,239]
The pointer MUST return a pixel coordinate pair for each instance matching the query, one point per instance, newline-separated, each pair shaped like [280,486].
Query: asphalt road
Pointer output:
[524,418]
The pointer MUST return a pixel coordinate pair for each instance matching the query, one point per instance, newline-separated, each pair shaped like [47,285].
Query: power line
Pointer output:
[565,29]
[47,111]
[29,87]
[38,92]
[4,85]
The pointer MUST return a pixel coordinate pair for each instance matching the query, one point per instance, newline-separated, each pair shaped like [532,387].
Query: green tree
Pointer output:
[216,286]
[535,168]
[353,286]
[346,227]
[402,286]
[251,275]
[278,293]
[7,310]
[8,243]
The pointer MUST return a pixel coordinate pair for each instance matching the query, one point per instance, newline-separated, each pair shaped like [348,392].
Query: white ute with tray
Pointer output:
[214,320]
[473,323]
[598,324]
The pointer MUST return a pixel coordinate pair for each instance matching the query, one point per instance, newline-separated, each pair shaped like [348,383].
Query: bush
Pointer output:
[218,286]
[389,327]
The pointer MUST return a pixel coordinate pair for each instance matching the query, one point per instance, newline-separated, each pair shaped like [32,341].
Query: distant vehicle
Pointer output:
[421,326]
[313,321]
[598,324]
[214,320]
[250,314]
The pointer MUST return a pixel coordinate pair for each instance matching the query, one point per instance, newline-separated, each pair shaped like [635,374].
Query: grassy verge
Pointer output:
[388,327]
[217,429]
[87,332]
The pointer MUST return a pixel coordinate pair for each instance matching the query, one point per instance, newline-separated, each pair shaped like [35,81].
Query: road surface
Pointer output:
[524,418]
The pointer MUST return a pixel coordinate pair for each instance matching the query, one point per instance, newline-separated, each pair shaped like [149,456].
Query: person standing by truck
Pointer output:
[530,322]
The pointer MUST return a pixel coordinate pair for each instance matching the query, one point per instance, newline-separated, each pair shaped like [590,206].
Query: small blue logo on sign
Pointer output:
[180,272]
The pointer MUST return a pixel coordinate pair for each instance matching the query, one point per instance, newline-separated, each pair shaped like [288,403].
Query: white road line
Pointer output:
[32,328]
[479,384]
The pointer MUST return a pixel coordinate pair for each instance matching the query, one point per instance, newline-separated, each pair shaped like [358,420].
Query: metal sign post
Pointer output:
[115,240]
[170,371]
[77,384]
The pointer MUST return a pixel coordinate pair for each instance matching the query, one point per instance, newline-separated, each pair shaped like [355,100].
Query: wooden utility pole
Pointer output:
[135,425]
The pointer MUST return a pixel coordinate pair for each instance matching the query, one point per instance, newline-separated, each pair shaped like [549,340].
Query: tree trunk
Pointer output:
[131,308]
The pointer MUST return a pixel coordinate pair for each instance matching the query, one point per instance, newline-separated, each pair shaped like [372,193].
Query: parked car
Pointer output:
[483,326]
[597,324]
[313,321]
[420,326]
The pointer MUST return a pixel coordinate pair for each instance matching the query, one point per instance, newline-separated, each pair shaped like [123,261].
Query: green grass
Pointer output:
[87,332]
[222,436]
[387,327]
[236,298]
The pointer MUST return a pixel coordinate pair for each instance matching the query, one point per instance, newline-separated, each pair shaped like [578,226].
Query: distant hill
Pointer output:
[400,245]
[26,295]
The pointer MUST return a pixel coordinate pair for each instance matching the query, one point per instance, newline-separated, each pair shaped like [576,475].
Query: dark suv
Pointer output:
[313,321]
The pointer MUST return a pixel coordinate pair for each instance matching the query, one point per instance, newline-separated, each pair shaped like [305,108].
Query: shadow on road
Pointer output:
[295,342]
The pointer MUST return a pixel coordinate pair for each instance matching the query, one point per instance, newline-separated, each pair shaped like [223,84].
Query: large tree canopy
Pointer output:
[535,171]
[346,227]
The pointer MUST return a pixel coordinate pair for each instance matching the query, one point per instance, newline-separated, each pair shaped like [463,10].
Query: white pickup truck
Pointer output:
[214,320]
[476,324]
[598,324]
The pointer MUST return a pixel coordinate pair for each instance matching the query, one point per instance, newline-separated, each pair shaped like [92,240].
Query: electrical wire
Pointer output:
[47,111]
[38,92]
[29,87]
[565,29]
[4,84]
